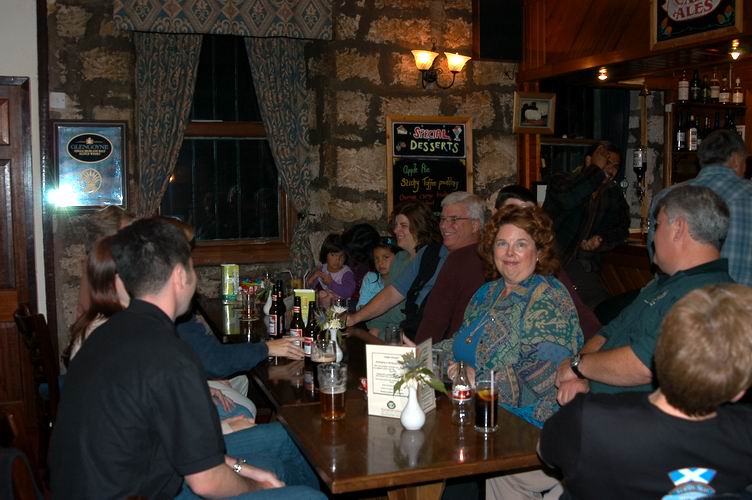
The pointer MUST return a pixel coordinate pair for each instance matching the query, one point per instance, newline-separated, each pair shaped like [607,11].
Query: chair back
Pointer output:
[16,477]
[36,337]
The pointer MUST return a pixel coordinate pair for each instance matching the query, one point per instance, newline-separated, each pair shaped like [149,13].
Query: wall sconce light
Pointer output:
[603,74]
[424,60]
[735,51]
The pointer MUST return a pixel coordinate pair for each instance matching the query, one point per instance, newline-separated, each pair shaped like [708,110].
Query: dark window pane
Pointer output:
[225,188]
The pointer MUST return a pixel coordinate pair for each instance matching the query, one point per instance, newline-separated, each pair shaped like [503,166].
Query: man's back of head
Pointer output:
[146,252]
[704,352]
[691,225]
[723,147]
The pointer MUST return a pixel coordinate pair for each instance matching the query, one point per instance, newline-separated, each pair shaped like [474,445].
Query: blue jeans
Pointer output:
[268,446]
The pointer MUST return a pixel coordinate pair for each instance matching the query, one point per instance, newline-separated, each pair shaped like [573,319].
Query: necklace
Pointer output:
[489,312]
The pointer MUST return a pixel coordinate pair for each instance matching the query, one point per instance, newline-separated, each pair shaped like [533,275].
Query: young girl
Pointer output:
[373,282]
[333,279]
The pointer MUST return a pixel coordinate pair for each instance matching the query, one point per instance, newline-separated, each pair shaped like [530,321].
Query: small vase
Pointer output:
[413,417]
[337,350]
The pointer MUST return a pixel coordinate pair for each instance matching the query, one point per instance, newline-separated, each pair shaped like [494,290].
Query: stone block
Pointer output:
[425,105]
[505,110]
[496,158]
[655,129]
[479,105]
[458,4]
[362,169]
[106,64]
[352,108]
[413,33]
[458,36]
[71,21]
[346,27]
[353,64]
[493,73]
[349,211]
[404,72]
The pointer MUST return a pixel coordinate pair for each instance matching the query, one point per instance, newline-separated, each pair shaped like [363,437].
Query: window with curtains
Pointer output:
[225,182]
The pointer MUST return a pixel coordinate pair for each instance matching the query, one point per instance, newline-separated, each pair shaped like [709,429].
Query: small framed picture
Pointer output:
[90,162]
[534,113]
[741,129]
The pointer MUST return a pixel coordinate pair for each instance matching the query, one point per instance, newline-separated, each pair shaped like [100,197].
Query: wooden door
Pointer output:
[17,282]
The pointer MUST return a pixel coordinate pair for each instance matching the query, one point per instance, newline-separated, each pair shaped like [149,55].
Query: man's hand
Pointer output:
[266,479]
[285,347]
[239,423]
[591,244]
[564,373]
[569,389]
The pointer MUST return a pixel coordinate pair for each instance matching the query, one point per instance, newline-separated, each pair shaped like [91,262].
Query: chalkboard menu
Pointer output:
[680,22]
[428,157]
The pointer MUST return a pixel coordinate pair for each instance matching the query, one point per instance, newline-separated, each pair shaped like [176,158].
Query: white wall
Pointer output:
[18,40]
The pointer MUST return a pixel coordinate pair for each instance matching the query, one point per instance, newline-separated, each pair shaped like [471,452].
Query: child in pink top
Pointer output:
[334,279]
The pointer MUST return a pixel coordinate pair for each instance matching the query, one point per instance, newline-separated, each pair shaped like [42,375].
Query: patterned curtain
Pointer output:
[279,75]
[165,77]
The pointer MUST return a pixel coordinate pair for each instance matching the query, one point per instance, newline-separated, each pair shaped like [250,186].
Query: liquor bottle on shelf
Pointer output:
[681,135]
[730,124]
[706,130]
[692,134]
[715,87]
[296,323]
[462,397]
[724,97]
[717,122]
[737,96]
[705,91]
[683,87]
[694,87]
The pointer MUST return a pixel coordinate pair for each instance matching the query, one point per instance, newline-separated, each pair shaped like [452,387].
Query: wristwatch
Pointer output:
[238,465]
[574,365]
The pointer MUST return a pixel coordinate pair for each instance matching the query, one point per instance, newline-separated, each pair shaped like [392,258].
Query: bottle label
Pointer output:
[680,139]
[307,346]
[683,90]
[715,91]
[272,325]
[738,97]
[692,142]
[724,97]
[461,392]
[296,332]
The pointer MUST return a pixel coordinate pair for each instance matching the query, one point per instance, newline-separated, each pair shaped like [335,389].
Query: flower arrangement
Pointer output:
[333,318]
[415,372]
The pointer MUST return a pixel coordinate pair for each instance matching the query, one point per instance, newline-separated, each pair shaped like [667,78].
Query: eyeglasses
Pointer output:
[452,219]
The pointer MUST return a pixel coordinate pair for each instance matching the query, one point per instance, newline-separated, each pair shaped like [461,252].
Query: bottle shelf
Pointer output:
[710,106]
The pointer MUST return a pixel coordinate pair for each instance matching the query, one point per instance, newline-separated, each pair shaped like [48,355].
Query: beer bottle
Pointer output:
[462,397]
[281,310]
[272,328]
[311,331]
[296,323]
[695,90]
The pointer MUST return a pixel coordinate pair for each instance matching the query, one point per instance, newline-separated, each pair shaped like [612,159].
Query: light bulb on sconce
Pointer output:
[735,51]
[603,74]
[424,61]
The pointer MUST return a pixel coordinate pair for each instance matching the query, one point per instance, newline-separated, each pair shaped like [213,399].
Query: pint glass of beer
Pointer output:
[486,403]
[332,386]
[322,351]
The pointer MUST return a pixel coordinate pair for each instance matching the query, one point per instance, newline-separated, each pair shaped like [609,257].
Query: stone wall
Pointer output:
[354,81]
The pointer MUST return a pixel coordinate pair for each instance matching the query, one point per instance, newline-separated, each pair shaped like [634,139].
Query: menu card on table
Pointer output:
[384,370]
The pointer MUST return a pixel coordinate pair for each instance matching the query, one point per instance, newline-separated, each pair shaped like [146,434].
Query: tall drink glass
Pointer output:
[486,402]
[322,351]
[332,386]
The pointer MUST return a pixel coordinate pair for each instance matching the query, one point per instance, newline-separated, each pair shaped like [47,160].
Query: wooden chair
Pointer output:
[14,452]
[46,370]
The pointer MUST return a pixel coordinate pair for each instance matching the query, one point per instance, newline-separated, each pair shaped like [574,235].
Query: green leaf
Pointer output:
[398,386]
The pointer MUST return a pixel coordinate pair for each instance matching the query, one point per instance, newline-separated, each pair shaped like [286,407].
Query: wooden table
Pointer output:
[363,452]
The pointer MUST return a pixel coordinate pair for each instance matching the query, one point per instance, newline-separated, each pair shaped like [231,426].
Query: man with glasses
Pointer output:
[461,225]
[590,218]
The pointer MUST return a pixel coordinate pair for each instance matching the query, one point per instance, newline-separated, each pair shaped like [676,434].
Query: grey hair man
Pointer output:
[461,223]
[691,225]
[723,156]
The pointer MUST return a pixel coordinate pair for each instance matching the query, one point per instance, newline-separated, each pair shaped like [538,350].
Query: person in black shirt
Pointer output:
[680,441]
[136,416]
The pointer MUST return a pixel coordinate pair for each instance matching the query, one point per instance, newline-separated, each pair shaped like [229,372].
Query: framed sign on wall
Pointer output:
[90,162]
[674,23]
[427,158]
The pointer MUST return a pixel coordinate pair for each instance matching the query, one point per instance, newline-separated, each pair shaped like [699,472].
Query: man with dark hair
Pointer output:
[691,226]
[681,441]
[723,160]
[136,416]
[590,218]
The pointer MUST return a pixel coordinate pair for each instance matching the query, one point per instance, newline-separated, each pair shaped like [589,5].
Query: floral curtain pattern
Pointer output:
[165,77]
[279,76]
[310,19]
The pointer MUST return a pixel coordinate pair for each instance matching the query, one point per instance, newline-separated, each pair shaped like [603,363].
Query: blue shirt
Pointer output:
[403,282]
[737,193]
[372,284]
